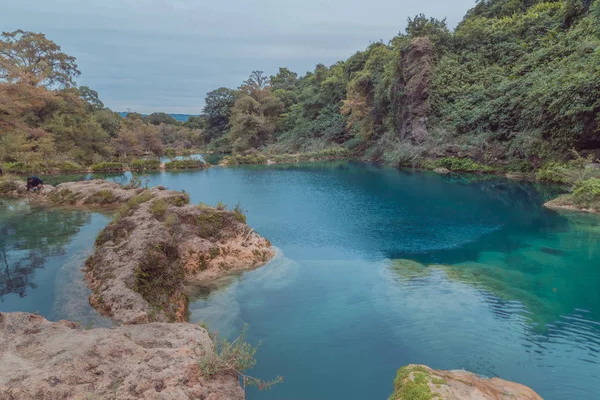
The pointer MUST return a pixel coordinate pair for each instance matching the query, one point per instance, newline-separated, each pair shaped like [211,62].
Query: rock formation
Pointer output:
[59,360]
[421,382]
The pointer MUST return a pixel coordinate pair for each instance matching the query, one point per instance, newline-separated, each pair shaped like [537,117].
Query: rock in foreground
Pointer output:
[59,360]
[423,383]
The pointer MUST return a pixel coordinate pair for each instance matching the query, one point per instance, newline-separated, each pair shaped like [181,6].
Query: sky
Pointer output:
[165,55]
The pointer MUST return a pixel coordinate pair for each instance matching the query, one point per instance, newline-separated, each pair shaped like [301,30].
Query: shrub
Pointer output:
[234,357]
[108,166]
[179,201]
[23,168]
[462,165]
[239,159]
[69,166]
[221,205]
[554,172]
[142,165]
[210,222]
[238,212]
[586,193]
[159,277]
[159,208]
[185,164]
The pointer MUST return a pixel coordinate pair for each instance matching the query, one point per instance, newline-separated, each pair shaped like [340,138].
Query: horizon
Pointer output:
[165,55]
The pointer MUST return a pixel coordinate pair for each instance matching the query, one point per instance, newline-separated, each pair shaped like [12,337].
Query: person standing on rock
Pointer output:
[34,183]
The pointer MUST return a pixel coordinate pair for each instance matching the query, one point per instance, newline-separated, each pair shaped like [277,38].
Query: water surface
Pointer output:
[379,268]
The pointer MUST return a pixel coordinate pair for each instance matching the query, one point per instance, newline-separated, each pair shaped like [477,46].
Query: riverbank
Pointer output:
[141,165]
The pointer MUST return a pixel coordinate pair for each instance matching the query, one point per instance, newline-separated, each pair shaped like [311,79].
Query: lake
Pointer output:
[376,268]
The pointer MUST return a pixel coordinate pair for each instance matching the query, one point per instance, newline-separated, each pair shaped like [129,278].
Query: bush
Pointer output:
[69,166]
[108,166]
[185,164]
[238,159]
[554,172]
[462,165]
[234,357]
[158,279]
[141,165]
[23,168]
[586,193]
[159,208]
[238,212]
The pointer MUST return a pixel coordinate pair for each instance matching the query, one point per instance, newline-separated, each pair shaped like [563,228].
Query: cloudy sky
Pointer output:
[164,55]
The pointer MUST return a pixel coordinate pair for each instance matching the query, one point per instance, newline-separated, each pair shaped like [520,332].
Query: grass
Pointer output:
[185,164]
[103,196]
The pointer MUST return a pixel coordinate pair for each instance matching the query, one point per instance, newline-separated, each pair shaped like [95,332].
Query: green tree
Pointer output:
[91,98]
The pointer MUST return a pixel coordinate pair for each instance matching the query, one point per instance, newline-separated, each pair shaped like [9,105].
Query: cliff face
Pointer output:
[417,71]
[59,360]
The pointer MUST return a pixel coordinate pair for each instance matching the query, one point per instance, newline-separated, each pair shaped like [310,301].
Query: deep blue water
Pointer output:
[379,268]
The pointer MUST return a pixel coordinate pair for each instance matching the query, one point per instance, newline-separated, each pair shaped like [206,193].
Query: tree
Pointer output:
[195,122]
[91,97]
[256,81]
[217,110]
[31,58]
[160,118]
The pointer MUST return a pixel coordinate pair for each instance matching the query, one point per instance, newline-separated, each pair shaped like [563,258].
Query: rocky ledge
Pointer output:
[421,382]
[60,360]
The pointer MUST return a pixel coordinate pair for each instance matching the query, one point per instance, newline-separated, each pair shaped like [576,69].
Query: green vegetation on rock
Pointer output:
[185,164]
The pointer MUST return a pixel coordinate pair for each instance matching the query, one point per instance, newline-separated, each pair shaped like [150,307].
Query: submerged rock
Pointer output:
[59,360]
[441,171]
[422,382]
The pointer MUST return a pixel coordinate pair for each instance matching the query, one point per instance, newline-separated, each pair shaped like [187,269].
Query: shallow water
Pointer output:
[378,268]
[42,251]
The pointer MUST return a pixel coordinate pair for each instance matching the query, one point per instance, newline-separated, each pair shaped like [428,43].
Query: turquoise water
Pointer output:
[379,268]
[42,252]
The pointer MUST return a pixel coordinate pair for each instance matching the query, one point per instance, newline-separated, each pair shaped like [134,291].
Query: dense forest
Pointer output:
[514,86]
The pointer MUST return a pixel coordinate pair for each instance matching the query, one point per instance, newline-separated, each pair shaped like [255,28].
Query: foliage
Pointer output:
[185,164]
[554,172]
[142,165]
[33,59]
[158,278]
[235,357]
[108,166]
[238,212]
[8,186]
[159,208]
[252,158]
[586,193]
[462,164]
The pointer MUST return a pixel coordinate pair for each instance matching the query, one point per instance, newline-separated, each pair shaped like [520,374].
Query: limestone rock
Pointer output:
[455,385]
[59,360]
